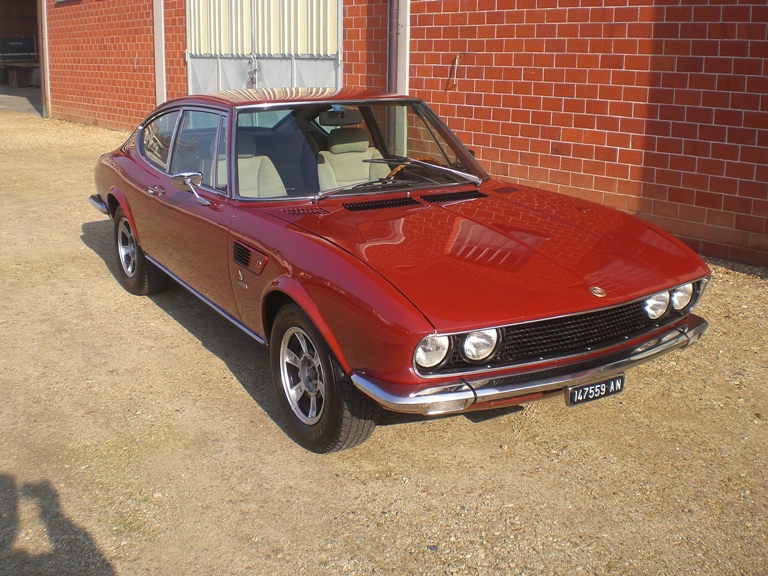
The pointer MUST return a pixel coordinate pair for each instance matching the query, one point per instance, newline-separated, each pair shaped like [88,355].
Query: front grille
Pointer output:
[379,204]
[558,337]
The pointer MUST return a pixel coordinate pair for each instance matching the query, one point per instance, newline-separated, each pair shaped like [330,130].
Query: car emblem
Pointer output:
[597,291]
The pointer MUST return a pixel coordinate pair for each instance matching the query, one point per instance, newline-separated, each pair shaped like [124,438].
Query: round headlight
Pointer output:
[431,350]
[656,305]
[681,296]
[478,345]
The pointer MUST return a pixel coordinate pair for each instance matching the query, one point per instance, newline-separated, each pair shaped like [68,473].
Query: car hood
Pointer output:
[508,254]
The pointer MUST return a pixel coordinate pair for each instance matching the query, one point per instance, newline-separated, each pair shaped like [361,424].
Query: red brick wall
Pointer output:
[102,67]
[657,110]
[364,27]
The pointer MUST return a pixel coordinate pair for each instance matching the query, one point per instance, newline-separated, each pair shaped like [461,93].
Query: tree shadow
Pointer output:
[74,551]
[246,360]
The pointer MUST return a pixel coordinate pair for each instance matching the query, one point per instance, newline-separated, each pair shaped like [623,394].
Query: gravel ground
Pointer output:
[140,436]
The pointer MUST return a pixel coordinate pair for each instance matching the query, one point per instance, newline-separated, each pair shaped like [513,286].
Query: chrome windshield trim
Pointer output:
[478,391]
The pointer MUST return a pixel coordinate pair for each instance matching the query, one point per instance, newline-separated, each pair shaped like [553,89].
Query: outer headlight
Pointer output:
[431,350]
[656,305]
[681,296]
[478,345]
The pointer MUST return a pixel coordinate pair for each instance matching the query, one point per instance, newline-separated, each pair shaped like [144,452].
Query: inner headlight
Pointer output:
[478,345]
[656,305]
[431,350]
[681,296]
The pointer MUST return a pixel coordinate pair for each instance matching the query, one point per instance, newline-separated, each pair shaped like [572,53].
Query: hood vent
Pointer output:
[380,204]
[453,196]
[242,255]
[306,211]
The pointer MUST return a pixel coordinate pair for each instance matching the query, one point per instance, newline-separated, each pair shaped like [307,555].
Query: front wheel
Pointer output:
[137,274]
[321,407]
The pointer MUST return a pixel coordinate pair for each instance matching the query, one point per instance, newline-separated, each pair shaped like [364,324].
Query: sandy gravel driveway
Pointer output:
[140,436]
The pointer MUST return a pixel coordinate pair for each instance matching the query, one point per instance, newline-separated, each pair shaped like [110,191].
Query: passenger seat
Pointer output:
[343,163]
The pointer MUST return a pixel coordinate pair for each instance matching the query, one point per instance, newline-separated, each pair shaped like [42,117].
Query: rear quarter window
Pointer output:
[156,140]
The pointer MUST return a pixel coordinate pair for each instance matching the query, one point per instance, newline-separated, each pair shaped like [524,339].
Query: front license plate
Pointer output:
[588,392]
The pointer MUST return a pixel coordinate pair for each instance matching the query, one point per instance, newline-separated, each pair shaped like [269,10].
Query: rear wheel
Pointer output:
[321,407]
[137,274]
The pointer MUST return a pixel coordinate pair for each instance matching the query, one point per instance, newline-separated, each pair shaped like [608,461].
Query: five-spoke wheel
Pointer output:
[321,407]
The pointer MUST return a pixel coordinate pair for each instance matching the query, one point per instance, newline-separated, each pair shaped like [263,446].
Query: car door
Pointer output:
[190,231]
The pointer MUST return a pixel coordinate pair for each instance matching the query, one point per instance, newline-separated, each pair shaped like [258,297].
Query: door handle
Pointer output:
[155,190]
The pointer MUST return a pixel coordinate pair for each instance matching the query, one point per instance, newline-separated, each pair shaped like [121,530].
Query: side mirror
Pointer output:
[190,181]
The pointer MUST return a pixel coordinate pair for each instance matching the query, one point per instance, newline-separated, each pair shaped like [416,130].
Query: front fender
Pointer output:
[290,288]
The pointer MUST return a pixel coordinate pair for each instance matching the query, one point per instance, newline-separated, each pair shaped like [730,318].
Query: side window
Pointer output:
[221,152]
[157,139]
[195,144]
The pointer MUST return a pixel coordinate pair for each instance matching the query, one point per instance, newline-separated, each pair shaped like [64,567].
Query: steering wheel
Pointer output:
[403,164]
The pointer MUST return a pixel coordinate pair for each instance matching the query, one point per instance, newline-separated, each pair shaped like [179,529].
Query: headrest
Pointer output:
[246,147]
[347,140]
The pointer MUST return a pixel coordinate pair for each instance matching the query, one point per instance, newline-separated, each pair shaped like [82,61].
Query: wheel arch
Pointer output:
[115,199]
[288,291]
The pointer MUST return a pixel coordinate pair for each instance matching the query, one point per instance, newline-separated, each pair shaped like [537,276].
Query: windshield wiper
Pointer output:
[372,184]
[406,161]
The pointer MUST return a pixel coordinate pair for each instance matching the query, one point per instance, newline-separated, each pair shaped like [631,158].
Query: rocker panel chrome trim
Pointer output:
[224,313]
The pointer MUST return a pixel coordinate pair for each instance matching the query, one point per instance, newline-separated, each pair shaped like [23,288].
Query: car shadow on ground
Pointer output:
[72,551]
[247,360]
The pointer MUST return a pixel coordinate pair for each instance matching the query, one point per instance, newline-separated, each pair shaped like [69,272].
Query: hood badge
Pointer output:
[597,291]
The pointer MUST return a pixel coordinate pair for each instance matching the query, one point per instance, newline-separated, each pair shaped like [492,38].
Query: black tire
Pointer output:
[323,410]
[137,274]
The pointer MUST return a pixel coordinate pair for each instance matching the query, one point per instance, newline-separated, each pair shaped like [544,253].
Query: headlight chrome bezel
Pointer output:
[657,305]
[686,291]
[433,349]
[679,300]
[491,335]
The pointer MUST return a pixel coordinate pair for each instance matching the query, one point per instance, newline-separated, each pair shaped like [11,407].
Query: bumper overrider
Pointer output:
[493,391]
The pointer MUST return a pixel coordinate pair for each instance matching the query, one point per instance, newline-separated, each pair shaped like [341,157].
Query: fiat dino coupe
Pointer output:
[356,237]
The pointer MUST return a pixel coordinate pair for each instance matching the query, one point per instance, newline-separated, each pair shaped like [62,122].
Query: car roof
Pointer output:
[255,96]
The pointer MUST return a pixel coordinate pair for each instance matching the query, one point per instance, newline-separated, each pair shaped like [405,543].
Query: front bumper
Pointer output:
[492,392]
[97,202]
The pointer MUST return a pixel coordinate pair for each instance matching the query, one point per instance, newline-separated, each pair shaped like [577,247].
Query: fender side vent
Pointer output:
[306,210]
[380,204]
[242,255]
[453,196]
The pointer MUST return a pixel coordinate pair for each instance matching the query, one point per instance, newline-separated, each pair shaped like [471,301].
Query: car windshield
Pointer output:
[316,150]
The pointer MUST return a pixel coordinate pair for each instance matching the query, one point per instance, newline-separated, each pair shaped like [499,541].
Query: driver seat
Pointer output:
[343,163]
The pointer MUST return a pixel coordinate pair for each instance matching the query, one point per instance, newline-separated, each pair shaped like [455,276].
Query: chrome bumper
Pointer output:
[98,203]
[464,394]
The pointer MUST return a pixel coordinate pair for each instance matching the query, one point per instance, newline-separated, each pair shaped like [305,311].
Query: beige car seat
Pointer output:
[343,163]
[257,176]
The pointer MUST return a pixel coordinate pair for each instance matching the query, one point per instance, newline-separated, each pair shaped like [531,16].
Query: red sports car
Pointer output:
[354,235]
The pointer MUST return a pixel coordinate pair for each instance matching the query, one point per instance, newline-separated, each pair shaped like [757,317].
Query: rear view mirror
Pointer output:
[190,181]
[343,117]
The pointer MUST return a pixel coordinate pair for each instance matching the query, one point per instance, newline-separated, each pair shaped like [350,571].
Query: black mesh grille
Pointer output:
[379,204]
[242,255]
[559,337]
[453,196]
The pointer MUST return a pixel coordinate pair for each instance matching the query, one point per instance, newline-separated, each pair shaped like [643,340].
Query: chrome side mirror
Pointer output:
[190,181]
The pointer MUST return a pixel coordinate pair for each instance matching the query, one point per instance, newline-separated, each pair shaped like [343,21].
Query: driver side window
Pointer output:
[195,146]
[157,139]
